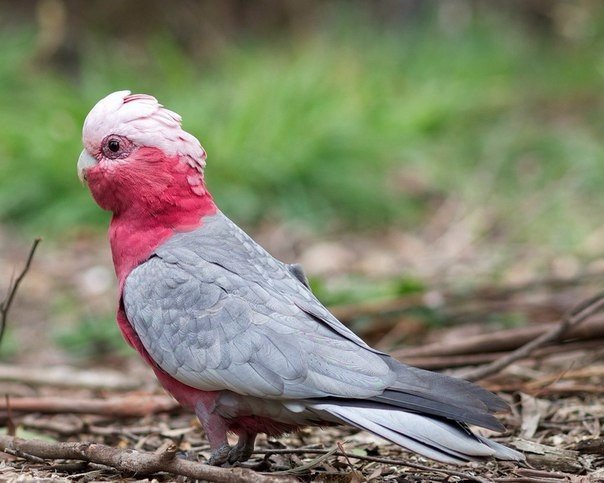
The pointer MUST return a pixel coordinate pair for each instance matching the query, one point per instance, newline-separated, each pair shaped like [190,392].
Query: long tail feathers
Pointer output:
[502,452]
[443,396]
[435,438]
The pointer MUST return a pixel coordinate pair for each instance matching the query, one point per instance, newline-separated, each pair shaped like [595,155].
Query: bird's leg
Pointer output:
[216,431]
[243,449]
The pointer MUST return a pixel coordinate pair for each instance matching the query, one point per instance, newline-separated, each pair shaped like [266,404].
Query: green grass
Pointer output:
[321,128]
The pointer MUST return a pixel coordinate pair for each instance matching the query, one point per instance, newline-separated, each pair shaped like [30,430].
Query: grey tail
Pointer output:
[443,396]
[432,437]
[428,413]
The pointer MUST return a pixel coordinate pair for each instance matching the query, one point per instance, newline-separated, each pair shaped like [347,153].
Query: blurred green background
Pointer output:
[344,118]
[355,114]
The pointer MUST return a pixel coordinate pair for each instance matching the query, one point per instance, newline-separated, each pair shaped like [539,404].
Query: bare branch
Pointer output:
[435,362]
[68,377]
[504,341]
[357,474]
[125,406]
[132,461]
[14,286]
[11,428]
[583,311]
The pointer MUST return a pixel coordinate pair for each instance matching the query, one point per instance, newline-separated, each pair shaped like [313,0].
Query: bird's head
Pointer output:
[137,155]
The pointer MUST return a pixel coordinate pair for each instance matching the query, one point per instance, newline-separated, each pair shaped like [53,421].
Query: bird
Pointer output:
[235,335]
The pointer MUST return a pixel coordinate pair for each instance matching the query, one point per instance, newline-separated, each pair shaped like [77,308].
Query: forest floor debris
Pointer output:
[556,420]
[53,415]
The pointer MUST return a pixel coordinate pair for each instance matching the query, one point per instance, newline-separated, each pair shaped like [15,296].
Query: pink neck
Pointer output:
[152,196]
[134,235]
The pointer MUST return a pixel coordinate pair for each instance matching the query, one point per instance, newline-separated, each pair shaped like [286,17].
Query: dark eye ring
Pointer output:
[113,145]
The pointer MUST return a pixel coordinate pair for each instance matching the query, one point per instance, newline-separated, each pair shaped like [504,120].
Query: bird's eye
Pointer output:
[113,145]
[116,147]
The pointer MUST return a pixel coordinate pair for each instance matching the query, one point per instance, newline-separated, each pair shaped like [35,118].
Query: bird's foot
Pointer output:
[226,455]
[240,453]
[229,455]
[220,456]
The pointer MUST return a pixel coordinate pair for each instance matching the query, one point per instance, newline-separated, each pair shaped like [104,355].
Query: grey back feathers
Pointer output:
[217,312]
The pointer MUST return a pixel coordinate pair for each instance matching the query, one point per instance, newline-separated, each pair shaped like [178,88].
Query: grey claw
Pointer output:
[220,456]
[240,453]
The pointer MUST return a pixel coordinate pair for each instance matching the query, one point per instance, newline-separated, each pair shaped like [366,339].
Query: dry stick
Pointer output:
[576,316]
[350,465]
[68,377]
[464,360]
[125,406]
[14,286]
[505,340]
[376,459]
[132,461]
[33,421]
[559,389]
[572,374]
[11,427]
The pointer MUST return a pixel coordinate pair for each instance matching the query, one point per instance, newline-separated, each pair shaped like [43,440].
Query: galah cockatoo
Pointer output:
[236,335]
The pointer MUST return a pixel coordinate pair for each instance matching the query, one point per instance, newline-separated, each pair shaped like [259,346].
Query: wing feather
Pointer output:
[215,311]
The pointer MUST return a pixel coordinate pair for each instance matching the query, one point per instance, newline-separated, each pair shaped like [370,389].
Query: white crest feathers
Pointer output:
[145,122]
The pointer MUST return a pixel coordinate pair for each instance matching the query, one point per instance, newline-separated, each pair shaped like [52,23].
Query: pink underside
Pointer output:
[142,223]
[256,424]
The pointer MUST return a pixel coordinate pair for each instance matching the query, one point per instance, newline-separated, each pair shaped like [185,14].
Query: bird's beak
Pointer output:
[85,162]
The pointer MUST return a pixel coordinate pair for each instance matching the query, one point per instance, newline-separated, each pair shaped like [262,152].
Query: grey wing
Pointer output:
[216,312]
[221,242]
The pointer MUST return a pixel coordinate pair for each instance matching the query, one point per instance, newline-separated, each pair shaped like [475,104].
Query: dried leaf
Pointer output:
[533,411]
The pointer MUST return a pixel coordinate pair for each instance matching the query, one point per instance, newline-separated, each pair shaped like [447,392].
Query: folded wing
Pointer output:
[216,312]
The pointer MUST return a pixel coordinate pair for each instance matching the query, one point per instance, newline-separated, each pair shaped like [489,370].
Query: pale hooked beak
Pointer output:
[85,162]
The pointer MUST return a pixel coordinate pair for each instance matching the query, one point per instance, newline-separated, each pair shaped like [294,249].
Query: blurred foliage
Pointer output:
[92,339]
[507,320]
[85,334]
[355,289]
[354,123]
[339,115]
[9,347]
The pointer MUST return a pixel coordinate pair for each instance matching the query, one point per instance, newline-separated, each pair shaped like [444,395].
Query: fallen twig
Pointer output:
[127,406]
[61,376]
[557,389]
[357,475]
[132,461]
[506,340]
[532,475]
[463,360]
[14,286]
[306,467]
[376,459]
[11,427]
[80,426]
[570,374]
[574,318]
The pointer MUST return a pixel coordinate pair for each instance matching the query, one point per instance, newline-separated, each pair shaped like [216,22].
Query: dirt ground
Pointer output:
[555,419]
[555,393]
